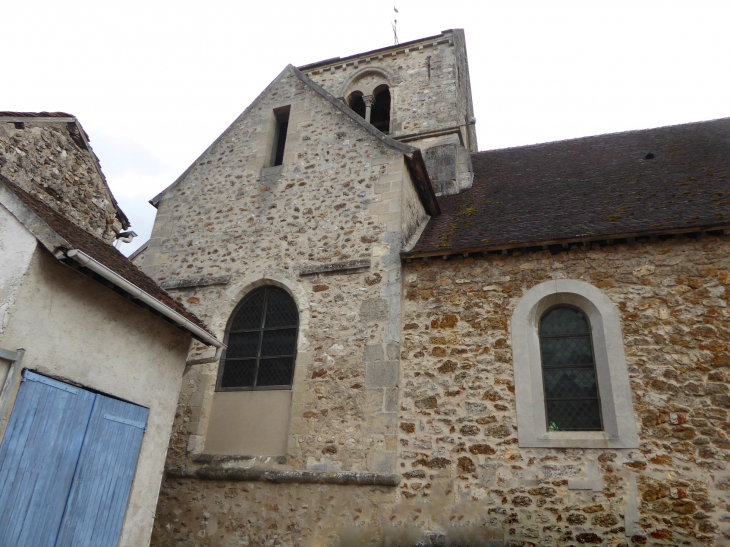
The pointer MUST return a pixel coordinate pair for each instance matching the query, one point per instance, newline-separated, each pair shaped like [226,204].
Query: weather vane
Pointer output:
[393,24]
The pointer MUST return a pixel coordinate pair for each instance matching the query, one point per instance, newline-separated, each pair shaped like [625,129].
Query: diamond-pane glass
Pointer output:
[570,383]
[275,372]
[579,415]
[564,320]
[250,314]
[261,342]
[279,342]
[566,351]
[281,311]
[243,344]
[239,373]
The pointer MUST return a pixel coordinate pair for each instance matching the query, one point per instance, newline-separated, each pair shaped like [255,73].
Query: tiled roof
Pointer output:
[638,182]
[35,115]
[80,239]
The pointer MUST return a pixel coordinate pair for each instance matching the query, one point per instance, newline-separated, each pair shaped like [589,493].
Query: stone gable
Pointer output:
[341,196]
[52,160]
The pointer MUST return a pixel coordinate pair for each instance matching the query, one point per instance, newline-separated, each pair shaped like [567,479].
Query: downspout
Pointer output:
[98,268]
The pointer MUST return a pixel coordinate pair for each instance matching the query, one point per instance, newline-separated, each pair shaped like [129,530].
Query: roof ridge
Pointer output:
[8,114]
[586,137]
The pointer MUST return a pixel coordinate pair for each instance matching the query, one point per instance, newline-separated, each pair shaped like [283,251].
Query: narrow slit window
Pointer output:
[572,401]
[262,342]
[282,124]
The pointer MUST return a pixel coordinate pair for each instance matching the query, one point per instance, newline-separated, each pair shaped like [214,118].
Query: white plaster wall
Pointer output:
[16,250]
[75,329]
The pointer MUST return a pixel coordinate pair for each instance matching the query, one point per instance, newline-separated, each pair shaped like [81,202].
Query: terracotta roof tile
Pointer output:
[669,178]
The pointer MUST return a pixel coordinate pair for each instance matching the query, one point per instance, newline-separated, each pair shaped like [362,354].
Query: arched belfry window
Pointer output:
[262,342]
[572,400]
[357,103]
[375,108]
[380,115]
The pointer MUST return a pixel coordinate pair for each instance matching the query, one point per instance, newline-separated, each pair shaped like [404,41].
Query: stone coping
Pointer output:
[258,474]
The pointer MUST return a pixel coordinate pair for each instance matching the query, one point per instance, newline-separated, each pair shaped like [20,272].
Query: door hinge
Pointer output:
[139,425]
[33,377]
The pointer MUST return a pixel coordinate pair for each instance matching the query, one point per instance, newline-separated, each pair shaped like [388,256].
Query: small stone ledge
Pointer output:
[253,474]
[204,281]
[335,267]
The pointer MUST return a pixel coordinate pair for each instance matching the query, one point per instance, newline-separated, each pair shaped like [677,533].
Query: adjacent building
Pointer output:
[92,350]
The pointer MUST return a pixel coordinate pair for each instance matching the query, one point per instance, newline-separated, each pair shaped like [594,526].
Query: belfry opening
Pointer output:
[380,115]
[375,108]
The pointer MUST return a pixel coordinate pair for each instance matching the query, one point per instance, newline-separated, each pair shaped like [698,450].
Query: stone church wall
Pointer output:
[463,476]
[337,198]
[52,161]
[457,419]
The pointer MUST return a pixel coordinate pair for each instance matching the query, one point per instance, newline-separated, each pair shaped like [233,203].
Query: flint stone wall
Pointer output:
[51,161]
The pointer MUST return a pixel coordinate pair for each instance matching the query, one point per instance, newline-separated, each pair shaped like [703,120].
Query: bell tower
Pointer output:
[418,93]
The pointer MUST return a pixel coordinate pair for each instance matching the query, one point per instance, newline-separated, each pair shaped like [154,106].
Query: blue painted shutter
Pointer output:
[38,457]
[100,490]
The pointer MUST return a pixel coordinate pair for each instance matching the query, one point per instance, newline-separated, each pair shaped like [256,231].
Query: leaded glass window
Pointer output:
[262,342]
[572,400]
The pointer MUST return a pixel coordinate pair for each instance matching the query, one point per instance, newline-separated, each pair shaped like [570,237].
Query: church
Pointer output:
[428,344]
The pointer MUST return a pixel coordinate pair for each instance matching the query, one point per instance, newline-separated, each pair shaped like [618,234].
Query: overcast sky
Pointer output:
[155,82]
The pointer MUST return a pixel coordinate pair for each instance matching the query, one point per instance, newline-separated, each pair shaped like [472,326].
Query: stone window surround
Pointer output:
[611,370]
[236,292]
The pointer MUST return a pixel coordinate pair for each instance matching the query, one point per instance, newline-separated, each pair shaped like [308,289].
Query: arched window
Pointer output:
[380,115]
[357,103]
[569,371]
[572,386]
[262,342]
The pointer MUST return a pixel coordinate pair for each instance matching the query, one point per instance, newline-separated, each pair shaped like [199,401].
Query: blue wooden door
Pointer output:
[100,490]
[66,465]
[38,458]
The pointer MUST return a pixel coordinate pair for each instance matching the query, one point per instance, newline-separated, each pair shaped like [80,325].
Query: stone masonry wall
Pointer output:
[51,161]
[337,197]
[457,411]
[419,102]
[465,106]
[422,101]
[463,476]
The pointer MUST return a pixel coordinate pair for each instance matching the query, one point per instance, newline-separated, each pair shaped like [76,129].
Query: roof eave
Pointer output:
[422,182]
[60,248]
[563,241]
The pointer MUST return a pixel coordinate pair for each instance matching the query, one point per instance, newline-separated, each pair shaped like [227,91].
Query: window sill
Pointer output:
[575,439]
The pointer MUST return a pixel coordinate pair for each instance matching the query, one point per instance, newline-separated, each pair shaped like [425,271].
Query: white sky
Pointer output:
[154,82]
